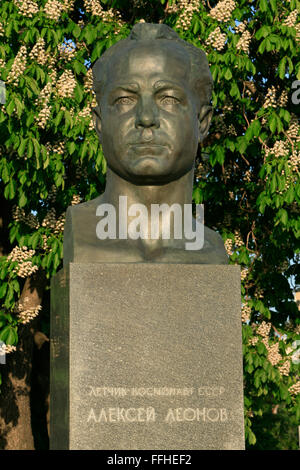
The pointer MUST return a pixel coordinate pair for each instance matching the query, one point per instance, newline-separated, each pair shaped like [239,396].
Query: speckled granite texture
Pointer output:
[146,356]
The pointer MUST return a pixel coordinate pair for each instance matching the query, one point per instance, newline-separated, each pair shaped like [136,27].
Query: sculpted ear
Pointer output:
[96,114]
[204,119]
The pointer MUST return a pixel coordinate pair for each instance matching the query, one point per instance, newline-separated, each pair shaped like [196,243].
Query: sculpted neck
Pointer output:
[179,191]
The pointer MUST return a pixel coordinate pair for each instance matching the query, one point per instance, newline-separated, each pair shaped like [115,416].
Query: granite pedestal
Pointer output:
[146,356]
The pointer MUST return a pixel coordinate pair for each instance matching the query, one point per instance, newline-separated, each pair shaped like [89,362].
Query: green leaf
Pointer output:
[77,66]
[36,146]
[58,180]
[263,376]
[214,73]
[263,5]
[97,50]
[234,90]
[29,148]
[283,391]
[257,381]
[242,144]
[251,437]
[35,239]
[291,65]
[231,145]
[243,258]
[22,200]
[58,118]
[290,195]
[284,114]
[249,133]
[10,190]
[196,23]
[49,260]
[260,348]
[46,157]
[32,84]
[71,147]
[19,106]
[10,107]
[273,183]
[76,31]
[279,125]
[3,288]
[83,149]
[10,294]
[90,34]
[281,68]
[12,234]
[5,172]
[273,123]
[9,335]
[269,45]
[22,147]
[228,74]
[78,93]
[262,46]
[56,262]
[55,37]
[283,216]
[263,32]
[278,201]
[197,197]
[273,5]
[68,119]
[220,154]
[256,127]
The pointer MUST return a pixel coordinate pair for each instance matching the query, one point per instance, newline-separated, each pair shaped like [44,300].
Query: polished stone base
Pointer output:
[146,356]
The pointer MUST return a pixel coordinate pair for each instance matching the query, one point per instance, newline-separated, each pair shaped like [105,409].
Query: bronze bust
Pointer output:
[153,93]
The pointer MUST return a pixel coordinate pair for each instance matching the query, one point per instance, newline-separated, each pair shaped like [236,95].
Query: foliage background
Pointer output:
[247,175]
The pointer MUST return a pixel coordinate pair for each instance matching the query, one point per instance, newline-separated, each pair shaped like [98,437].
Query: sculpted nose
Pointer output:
[147,114]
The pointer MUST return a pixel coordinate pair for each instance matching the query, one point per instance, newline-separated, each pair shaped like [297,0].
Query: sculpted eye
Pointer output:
[125,100]
[169,100]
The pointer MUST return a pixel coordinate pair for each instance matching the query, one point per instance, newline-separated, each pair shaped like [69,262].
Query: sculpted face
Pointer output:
[149,126]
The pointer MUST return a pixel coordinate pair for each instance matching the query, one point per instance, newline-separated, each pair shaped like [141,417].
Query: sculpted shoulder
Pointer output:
[82,245]
[213,238]
[80,229]
[81,216]
[213,243]
[85,207]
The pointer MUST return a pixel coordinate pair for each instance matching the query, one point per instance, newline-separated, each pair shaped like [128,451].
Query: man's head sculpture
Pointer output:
[153,92]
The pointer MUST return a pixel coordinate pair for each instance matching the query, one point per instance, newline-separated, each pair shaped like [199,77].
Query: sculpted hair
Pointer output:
[201,78]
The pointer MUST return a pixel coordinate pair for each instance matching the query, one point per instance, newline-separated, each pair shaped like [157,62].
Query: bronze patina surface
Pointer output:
[153,92]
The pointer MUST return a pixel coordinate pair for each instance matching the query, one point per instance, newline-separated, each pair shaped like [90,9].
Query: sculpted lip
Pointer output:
[145,148]
[142,146]
[146,144]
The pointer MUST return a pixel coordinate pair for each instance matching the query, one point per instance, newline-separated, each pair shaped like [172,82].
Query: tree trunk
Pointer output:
[15,419]
[40,386]
[15,414]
